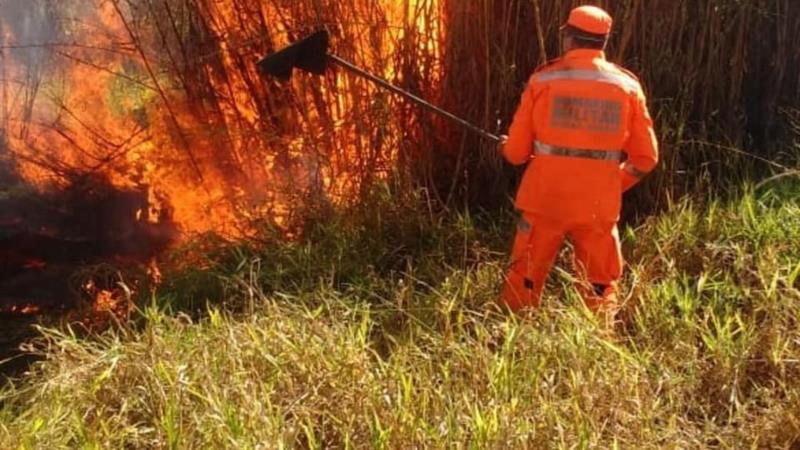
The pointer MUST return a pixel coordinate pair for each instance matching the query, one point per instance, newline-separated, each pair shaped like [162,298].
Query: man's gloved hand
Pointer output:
[628,180]
[501,145]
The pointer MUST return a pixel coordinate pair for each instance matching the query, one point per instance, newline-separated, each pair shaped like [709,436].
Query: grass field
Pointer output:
[379,330]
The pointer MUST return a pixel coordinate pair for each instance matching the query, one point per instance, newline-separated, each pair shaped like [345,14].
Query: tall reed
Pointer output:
[721,77]
[718,75]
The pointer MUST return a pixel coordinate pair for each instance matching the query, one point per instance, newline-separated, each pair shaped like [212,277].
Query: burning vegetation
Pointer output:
[174,105]
[46,235]
[130,125]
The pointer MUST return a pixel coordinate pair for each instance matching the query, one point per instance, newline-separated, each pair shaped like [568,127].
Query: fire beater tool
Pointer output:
[311,55]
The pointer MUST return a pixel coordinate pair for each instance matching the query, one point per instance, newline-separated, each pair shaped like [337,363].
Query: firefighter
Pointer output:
[584,130]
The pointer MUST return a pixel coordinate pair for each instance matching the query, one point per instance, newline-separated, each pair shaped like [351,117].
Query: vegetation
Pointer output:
[387,336]
[375,325]
[179,75]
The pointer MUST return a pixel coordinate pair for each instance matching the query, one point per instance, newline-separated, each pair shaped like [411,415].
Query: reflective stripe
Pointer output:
[631,169]
[591,75]
[598,155]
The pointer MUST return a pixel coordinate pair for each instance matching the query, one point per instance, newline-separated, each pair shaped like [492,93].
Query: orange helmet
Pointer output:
[590,19]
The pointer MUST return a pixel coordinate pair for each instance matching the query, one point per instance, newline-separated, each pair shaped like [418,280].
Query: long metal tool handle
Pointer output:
[419,101]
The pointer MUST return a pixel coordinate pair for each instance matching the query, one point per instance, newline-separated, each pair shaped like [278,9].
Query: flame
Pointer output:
[107,301]
[22,310]
[111,102]
[111,297]
[183,116]
[154,272]
[35,264]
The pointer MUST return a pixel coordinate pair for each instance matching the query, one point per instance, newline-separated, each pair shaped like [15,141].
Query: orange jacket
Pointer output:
[580,118]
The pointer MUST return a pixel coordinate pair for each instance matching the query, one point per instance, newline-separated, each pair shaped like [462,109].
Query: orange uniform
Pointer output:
[584,130]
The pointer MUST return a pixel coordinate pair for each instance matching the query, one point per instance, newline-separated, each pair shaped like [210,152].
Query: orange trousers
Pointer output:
[598,261]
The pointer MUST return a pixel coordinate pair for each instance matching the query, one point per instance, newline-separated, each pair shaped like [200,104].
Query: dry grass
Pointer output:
[359,339]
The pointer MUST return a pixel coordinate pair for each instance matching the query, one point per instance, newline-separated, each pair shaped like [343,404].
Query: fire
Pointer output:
[100,126]
[107,301]
[154,272]
[21,310]
[35,264]
[109,296]
[146,100]
[112,98]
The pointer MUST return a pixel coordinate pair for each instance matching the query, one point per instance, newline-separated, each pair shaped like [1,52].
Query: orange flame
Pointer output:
[24,310]
[106,301]
[110,105]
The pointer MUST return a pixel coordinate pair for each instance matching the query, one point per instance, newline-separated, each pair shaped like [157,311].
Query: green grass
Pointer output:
[380,330]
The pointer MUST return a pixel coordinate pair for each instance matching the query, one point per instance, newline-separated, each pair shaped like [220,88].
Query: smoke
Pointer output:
[27,26]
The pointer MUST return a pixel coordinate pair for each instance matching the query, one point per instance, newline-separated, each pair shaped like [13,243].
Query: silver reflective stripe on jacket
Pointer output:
[541,148]
[620,80]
